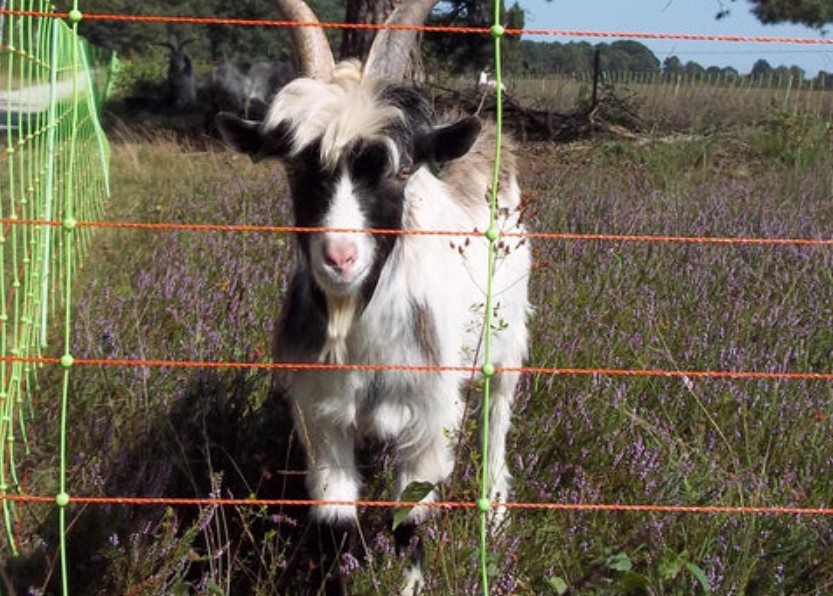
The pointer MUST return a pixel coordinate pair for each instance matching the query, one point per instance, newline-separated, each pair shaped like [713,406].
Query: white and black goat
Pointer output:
[363,152]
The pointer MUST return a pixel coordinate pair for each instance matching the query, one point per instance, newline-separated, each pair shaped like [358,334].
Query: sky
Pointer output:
[683,16]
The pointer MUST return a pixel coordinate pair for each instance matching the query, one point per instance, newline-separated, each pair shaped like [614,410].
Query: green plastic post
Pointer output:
[492,235]
[54,150]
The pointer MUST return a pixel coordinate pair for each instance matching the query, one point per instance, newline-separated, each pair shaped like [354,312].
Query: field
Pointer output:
[577,439]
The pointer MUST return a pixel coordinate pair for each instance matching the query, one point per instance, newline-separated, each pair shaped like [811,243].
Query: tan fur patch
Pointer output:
[470,177]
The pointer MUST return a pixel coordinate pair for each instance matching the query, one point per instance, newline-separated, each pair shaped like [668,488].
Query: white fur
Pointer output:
[344,214]
[337,112]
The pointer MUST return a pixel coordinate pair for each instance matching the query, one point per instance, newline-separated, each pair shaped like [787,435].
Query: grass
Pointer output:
[184,295]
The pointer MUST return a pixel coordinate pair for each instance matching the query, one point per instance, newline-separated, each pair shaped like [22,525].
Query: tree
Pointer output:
[217,42]
[225,42]
[761,68]
[356,42]
[459,53]
[673,66]
[515,19]
[813,13]
[628,55]
[693,69]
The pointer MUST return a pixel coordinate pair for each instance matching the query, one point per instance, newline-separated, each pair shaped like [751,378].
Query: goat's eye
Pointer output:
[372,162]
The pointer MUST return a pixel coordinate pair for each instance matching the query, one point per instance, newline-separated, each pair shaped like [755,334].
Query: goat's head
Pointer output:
[179,62]
[350,147]
[351,142]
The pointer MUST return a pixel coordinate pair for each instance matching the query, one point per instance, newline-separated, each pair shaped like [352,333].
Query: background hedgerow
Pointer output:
[211,296]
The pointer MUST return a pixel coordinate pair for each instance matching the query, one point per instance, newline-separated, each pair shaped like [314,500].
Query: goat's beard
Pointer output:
[340,313]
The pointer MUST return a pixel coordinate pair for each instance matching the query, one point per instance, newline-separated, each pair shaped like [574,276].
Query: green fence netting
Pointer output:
[54,161]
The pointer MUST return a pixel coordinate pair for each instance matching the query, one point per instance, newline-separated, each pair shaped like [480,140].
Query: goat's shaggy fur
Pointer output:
[363,155]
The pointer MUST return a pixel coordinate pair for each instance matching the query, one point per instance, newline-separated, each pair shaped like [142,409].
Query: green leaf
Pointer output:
[633,583]
[699,575]
[414,492]
[670,567]
[558,584]
[214,588]
[619,562]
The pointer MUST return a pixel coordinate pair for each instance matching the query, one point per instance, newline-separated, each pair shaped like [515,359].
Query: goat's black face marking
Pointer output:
[360,191]
[379,191]
[371,163]
[312,187]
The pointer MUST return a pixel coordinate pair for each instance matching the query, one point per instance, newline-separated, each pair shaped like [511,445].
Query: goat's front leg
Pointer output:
[426,454]
[499,480]
[332,476]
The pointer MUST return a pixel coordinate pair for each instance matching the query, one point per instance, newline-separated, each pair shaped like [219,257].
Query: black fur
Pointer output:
[331,542]
[408,543]
[302,326]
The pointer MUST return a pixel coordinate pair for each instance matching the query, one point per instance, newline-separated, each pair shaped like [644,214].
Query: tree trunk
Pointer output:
[356,43]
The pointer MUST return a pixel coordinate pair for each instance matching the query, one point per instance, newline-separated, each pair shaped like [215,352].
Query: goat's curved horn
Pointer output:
[165,44]
[315,58]
[391,49]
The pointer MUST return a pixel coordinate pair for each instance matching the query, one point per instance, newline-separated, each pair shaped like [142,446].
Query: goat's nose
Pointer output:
[340,254]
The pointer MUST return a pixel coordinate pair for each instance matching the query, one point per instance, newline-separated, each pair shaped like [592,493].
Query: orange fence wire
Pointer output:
[537,370]
[440,505]
[461,233]
[428,28]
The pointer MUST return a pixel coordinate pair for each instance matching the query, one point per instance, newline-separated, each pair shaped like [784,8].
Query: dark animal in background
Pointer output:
[181,84]
[365,152]
[243,88]
[247,88]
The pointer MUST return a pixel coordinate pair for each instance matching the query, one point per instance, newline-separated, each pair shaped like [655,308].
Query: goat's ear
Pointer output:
[445,143]
[241,135]
[247,136]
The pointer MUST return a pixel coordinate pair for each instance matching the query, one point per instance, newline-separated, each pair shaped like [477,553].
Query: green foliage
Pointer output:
[136,73]
[813,13]
[557,584]
[413,493]
[793,138]
[457,53]
[624,55]
[673,566]
[216,42]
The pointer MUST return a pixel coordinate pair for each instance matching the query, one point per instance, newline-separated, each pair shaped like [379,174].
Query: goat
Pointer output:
[365,153]
[247,88]
[181,84]
[485,82]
